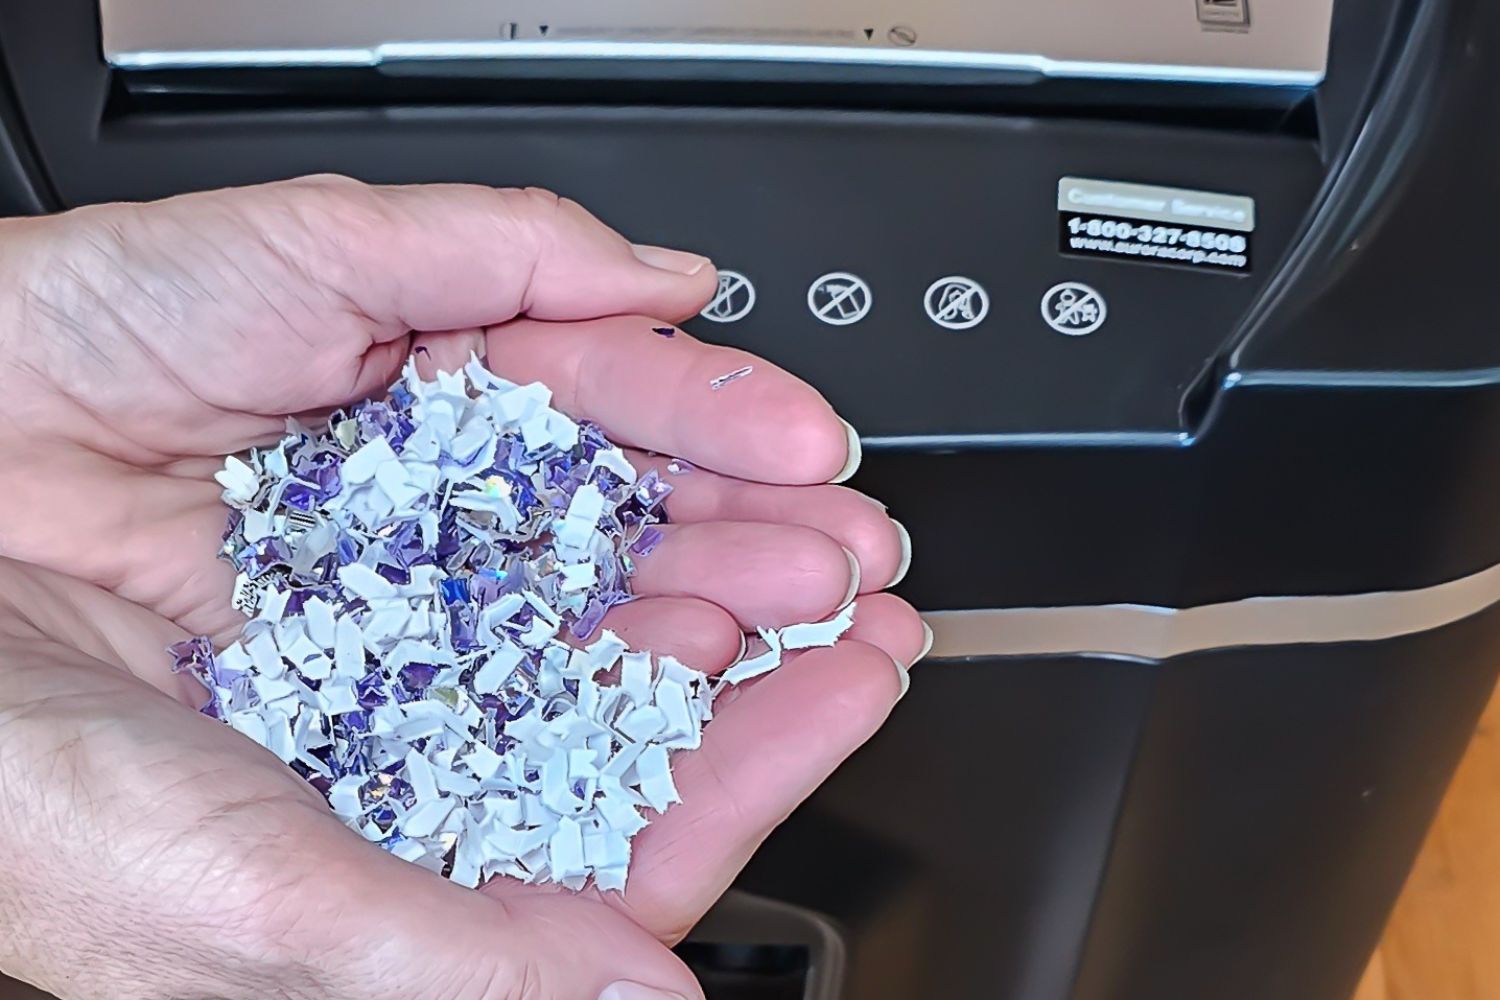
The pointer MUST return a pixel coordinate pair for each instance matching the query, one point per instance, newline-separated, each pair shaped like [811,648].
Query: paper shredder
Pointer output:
[1170,329]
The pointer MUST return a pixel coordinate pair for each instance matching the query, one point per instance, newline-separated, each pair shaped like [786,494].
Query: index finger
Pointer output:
[717,407]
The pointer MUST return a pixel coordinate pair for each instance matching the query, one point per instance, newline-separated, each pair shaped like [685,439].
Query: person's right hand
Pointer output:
[148,852]
[139,344]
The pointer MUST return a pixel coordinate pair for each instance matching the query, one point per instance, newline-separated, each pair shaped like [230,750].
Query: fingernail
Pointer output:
[665,259]
[853,579]
[635,991]
[902,569]
[744,647]
[905,673]
[851,465]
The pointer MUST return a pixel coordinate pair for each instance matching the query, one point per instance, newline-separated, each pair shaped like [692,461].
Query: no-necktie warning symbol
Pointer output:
[840,298]
[734,299]
[1074,309]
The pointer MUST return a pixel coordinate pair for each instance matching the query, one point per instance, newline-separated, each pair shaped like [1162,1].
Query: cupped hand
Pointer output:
[148,852]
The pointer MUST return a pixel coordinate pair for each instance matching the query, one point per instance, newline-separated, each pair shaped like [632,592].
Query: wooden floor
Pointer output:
[1443,942]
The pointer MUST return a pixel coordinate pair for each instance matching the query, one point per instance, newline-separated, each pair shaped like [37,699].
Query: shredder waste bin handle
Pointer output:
[744,918]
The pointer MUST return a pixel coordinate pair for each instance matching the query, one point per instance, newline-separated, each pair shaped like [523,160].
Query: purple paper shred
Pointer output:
[477,565]
[371,691]
[300,496]
[396,574]
[647,543]
[417,677]
[589,622]
[190,652]
[405,545]
[261,557]
[378,420]
[195,657]
[651,490]
[665,331]
[317,473]
[346,549]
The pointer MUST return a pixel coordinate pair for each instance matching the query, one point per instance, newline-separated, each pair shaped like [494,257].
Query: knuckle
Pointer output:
[319,226]
[543,200]
[528,206]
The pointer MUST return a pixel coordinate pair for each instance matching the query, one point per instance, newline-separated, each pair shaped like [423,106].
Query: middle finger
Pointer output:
[850,518]
[763,574]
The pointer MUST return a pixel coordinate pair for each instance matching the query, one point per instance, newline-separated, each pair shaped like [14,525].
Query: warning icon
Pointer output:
[840,298]
[957,303]
[1074,309]
[734,299]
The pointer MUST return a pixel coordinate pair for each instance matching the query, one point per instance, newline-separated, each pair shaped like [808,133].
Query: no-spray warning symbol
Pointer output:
[734,299]
[840,298]
[1074,308]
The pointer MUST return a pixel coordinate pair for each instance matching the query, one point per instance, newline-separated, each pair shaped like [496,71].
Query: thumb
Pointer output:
[528,944]
[454,256]
[580,948]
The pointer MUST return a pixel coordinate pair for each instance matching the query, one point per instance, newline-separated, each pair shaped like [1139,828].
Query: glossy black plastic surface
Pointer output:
[1231,824]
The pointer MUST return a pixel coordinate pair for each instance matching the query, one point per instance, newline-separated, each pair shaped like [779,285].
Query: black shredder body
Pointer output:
[1174,347]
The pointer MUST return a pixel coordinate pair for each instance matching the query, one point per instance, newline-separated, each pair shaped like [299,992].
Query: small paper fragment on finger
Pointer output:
[411,578]
[730,377]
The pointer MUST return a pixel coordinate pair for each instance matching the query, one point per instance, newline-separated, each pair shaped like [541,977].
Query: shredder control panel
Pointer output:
[920,271]
[942,275]
[1033,284]
[1268,41]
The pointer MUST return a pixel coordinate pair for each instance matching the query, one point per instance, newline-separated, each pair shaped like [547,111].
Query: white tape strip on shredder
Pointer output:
[1158,633]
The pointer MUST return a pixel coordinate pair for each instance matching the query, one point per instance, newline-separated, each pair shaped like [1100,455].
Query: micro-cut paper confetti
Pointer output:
[424,583]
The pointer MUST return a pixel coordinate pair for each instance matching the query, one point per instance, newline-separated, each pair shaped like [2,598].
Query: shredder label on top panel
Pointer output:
[1224,13]
[1149,224]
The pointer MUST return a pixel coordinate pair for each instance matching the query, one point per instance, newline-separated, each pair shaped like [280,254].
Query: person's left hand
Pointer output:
[150,853]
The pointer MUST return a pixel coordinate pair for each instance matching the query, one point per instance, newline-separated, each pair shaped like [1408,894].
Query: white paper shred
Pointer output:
[430,680]
[734,376]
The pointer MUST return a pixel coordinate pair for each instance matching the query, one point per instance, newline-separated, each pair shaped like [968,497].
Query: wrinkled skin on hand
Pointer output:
[146,851]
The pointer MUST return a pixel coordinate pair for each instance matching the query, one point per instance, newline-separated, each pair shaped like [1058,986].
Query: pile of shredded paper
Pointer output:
[422,580]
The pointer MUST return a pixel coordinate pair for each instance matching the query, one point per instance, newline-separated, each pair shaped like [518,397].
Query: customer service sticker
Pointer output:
[1155,225]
